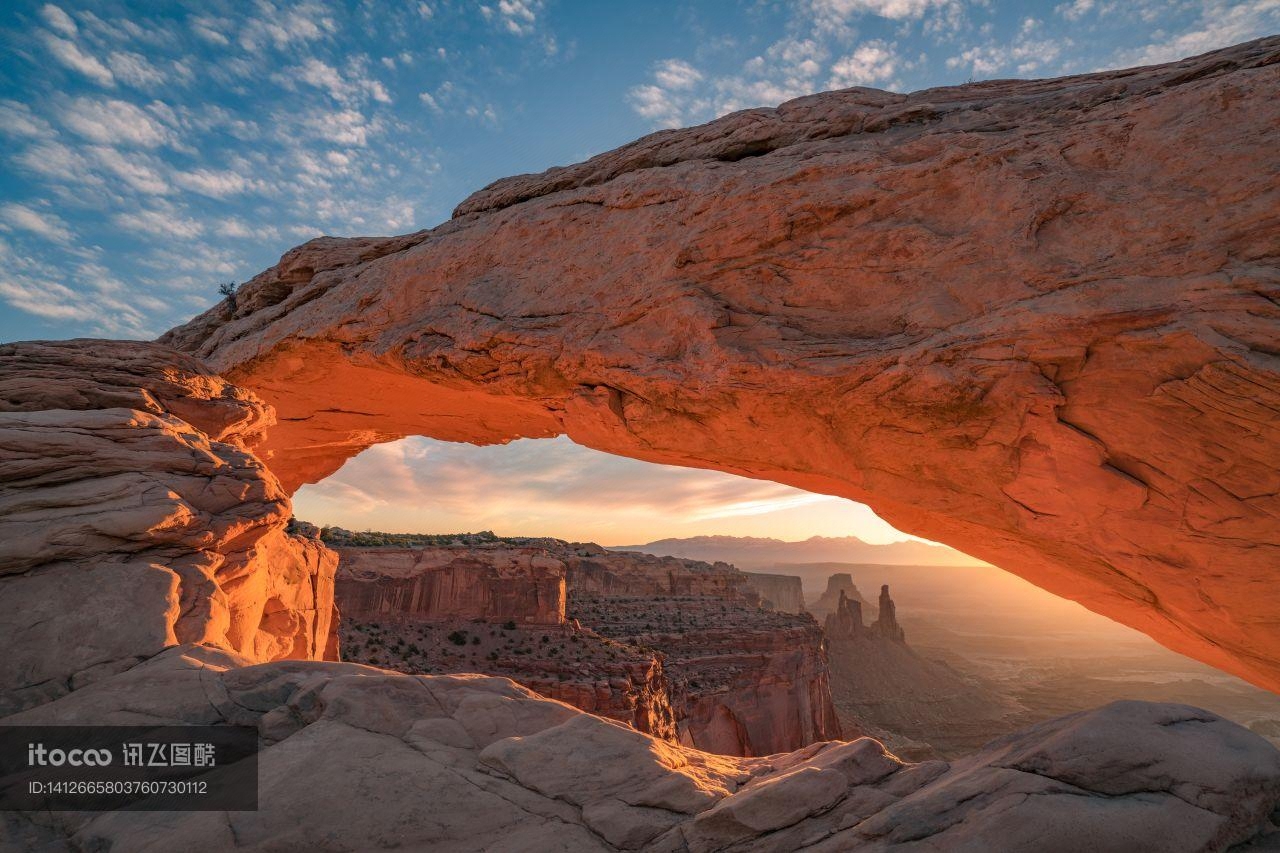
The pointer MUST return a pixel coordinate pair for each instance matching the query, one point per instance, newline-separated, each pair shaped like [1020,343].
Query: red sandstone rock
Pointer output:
[686,654]
[132,517]
[839,585]
[526,585]
[845,622]
[1034,320]
[886,624]
[784,593]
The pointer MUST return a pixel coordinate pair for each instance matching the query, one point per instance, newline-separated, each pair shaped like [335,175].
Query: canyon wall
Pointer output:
[564,662]
[133,516]
[754,692]
[1034,320]
[777,592]
[597,571]
[526,585]
[744,681]
[676,648]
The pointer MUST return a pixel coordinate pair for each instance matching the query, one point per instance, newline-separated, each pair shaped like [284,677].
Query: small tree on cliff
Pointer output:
[228,291]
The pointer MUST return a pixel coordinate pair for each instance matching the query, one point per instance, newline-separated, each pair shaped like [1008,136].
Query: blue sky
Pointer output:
[153,150]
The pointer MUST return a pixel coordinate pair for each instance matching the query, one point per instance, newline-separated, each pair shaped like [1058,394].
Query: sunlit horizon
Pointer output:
[553,487]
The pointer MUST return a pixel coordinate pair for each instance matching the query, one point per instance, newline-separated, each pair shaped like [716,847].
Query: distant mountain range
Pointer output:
[755,553]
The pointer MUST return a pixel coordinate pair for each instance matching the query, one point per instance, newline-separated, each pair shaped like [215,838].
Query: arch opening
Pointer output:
[985,653]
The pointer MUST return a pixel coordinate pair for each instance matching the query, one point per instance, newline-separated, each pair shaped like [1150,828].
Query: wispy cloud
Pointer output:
[1218,23]
[71,55]
[112,121]
[519,17]
[820,50]
[555,487]
[1029,51]
[47,225]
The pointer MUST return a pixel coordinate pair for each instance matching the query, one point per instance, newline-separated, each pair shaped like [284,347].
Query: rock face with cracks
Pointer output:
[1034,320]
[522,584]
[133,516]
[472,763]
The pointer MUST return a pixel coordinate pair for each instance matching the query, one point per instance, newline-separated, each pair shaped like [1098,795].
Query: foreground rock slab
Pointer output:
[357,758]
[1034,320]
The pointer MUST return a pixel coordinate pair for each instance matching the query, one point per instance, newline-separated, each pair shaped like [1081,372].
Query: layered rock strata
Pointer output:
[777,592]
[134,515]
[1034,320]
[526,585]
[566,662]
[743,681]
[677,648]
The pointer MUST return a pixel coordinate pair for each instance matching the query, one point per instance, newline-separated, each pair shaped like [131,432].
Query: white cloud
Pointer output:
[341,127]
[837,15]
[44,298]
[1221,23]
[47,225]
[680,94]
[1075,10]
[211,29]
[18,120]
[138,171]
[115,122]
[555,487]
[873,62]
[1028,52]
[213,183]
[345,90]
[69,54]
[86,295]
[163,222]
[676,74]
[241,230]
[518,17]
[134,70]
[285,27]
[58,20]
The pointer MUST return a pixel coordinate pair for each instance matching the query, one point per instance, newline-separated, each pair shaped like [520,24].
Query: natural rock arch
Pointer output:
[1033,320]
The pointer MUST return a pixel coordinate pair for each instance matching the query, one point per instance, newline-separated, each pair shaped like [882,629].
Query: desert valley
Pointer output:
[939,507]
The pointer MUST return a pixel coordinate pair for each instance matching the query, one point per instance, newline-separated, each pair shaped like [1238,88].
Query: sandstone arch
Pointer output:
[1033,320]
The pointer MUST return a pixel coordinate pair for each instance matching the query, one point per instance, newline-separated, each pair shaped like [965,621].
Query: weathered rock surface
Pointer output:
[886,624]
[470,763]
[743,681]
[783,593]
[599,571]
[676,648]
[134,517]
[566,662]
[845,622]
[523,584]
[1034,320]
